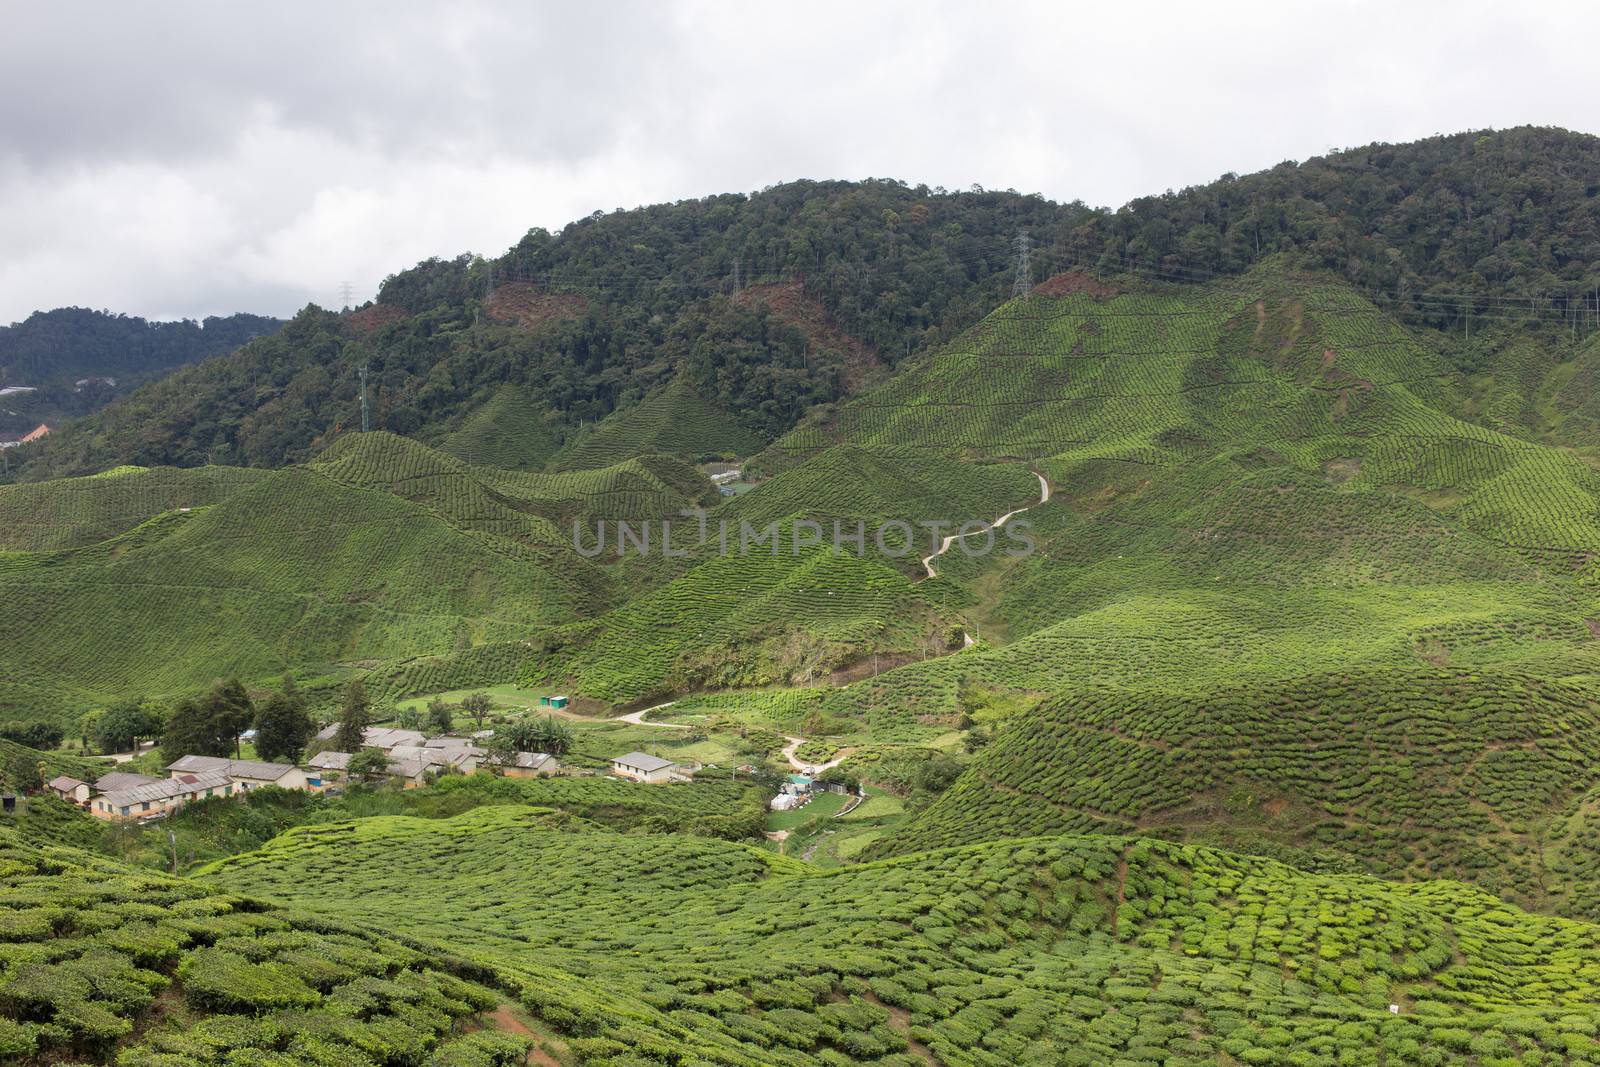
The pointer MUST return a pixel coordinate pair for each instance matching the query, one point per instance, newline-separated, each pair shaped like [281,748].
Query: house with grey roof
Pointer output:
[643,767]
[121,780]
[380,737]
[247,774]
[156,797]
[523,764]
[69,788]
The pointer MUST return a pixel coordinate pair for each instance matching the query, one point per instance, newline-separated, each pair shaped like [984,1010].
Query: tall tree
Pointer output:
[190,731]
[122,726]
[354,718]
[367,765]
[477,705]
[283,727]
[232,712]
[440,718]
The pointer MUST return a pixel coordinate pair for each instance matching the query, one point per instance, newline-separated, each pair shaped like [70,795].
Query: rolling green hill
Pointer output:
[102,961]
[510,430]
[1420,774]
[673,421]
[381,550]
[1076,950]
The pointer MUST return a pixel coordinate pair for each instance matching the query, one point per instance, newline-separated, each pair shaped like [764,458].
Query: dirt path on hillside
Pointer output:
[505,1018]
[637,717]
[944,546]
[810,769]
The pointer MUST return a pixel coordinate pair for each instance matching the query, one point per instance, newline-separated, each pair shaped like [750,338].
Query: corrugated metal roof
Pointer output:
[165,789]
[643,761]
[234,768]
[122,780]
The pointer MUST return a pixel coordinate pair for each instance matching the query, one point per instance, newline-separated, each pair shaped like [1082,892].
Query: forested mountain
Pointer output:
[772,303]
[1485,223]
[76,360]
[765,303]
[1279,744]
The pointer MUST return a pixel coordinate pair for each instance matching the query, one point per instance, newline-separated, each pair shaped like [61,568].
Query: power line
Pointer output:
[346,294]
[1023,282]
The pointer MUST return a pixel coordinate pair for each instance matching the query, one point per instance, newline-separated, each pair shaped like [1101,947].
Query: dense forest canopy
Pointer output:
[1485,225]
[58,347]
[77,360]
[1484,220]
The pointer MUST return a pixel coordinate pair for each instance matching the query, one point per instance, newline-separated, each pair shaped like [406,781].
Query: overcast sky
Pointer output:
[183,159]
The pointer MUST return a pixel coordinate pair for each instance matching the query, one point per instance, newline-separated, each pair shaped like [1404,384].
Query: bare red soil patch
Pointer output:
[528,306]
[504,1018]
[1074,281]
[789,303]
[372,318]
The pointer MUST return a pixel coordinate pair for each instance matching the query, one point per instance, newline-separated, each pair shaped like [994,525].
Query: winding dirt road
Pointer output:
[944,546]
[637,718]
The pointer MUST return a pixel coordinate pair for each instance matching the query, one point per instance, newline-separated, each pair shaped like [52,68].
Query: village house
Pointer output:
[121,780]
[325,769]
[460,752]
[69,789]
[524,764]
[643,767]
[154,797]
[247,774]
[410,765]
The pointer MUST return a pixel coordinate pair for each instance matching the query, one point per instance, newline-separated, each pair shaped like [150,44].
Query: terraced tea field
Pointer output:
[674,421]
[1083,950]
[100,960]
[1409,774]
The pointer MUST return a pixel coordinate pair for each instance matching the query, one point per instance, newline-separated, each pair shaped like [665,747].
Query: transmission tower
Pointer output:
[363,398]
[346,294]
[1024,279]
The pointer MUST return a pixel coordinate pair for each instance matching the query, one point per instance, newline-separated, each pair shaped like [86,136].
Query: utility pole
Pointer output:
[1024,279]
[346,294]
[363,398]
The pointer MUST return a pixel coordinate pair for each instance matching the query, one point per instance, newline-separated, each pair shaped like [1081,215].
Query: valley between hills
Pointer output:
[1279,743]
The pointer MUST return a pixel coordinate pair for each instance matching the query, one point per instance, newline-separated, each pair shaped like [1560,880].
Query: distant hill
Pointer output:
[78,360]
[382,550]
[769,303]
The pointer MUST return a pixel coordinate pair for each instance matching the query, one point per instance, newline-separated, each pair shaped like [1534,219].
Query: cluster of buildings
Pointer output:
[125,795]
[414,758]
[13,440]
[413,761]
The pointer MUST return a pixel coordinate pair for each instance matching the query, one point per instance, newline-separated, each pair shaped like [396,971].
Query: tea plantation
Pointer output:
[102,961]
[1278,746]
[1075,950]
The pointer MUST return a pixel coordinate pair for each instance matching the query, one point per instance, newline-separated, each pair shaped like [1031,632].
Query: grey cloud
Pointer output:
[193,157]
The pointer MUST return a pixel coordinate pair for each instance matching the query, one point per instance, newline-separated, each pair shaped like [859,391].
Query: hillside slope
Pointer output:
[1078,950]
[382,550]
[104,963]
[1422,773]
[1249,478]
